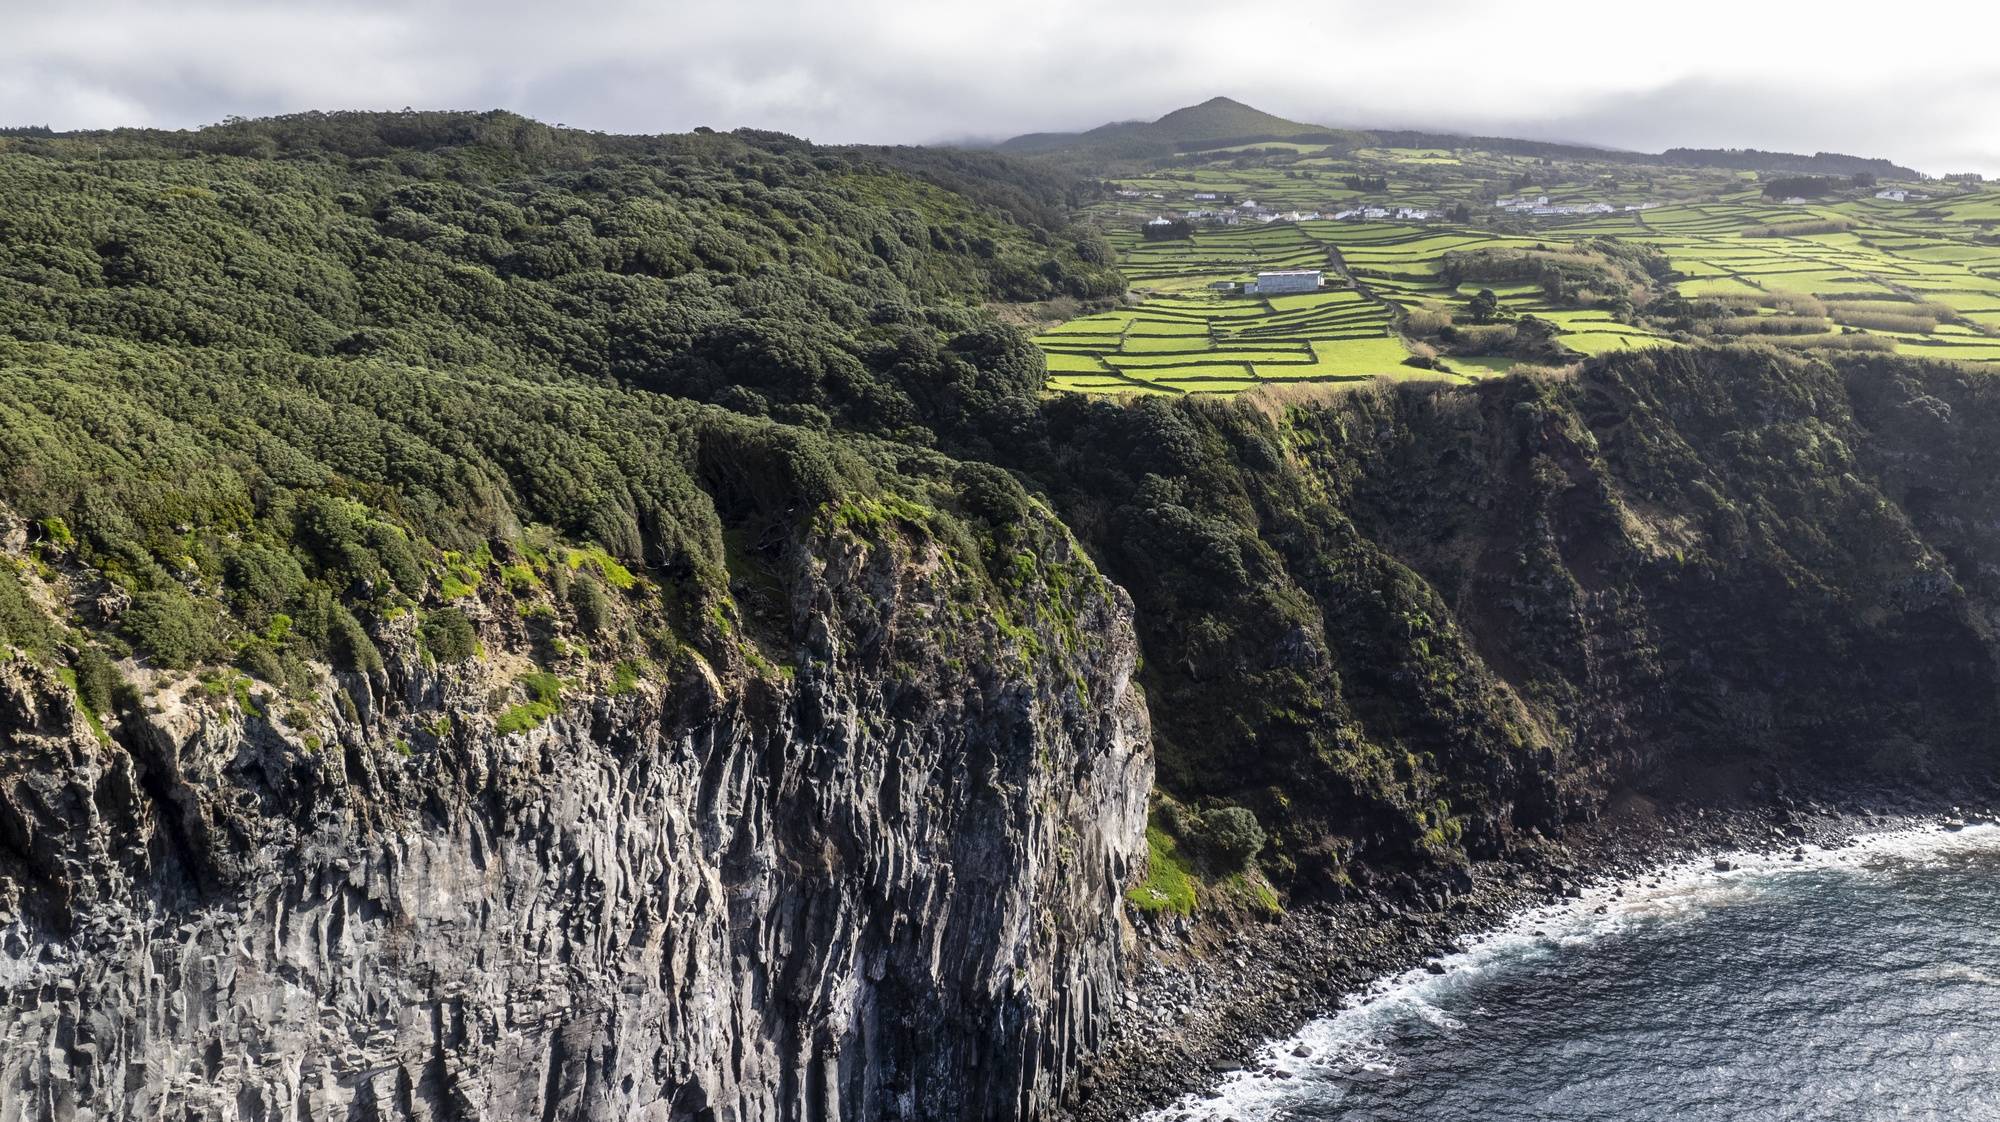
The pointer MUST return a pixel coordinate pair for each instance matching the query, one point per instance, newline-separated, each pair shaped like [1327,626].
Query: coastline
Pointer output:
[1202,1009]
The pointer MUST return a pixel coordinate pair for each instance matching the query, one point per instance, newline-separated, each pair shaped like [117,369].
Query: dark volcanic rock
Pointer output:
[716,899]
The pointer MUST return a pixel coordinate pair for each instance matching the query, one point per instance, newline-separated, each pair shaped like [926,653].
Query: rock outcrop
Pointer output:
[886,884]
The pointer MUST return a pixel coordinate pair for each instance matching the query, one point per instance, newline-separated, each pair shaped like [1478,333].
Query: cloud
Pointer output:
[1935,123]
[1643,76]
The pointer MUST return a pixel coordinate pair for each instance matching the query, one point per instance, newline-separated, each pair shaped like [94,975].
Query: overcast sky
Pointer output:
[1918,83]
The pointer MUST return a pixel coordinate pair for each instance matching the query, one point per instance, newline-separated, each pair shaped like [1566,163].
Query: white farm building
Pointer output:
[1285,280]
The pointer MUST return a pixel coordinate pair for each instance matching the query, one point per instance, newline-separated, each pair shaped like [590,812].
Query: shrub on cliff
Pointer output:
[1230,838]
[21,623]
[449,636]
[592,604]
[97,680]
[171,627]
[1223,840]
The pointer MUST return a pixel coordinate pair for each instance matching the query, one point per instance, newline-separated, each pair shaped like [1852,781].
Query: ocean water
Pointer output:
[1863,983]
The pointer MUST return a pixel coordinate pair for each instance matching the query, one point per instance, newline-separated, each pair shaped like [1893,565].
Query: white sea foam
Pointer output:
[1354,1045]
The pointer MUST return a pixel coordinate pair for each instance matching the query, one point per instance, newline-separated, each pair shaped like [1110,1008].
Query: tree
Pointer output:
[1231,837]
[22,623]
[1535,331]
[1800,186]
[1483,306]
[449,636]
[97,679]
[171,626]
[592,604]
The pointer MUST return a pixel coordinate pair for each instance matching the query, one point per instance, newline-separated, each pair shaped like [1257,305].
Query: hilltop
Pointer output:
[1219,120]
[1224,121]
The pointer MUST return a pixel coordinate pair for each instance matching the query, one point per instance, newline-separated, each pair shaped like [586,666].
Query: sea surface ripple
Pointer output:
[1861,983]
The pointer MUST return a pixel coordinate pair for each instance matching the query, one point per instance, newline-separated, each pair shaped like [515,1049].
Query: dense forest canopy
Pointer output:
[747,269]
[269,385]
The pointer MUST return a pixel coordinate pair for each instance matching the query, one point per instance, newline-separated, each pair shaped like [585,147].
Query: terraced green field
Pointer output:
[1909,259]
[1918,277]
[1186,339]
[1182,338]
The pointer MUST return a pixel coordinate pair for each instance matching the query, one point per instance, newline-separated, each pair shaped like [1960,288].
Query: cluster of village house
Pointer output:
[1249,210]
[1893,194]
[1540,206]
[1386,213]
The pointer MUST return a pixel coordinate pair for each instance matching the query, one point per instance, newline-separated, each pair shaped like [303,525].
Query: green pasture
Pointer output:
[1720,236]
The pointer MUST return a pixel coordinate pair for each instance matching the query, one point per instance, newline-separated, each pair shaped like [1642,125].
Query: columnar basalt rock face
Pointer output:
[885,887]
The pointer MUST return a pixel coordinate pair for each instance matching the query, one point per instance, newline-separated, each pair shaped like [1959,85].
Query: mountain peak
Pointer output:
[1215,120]
[1224,118]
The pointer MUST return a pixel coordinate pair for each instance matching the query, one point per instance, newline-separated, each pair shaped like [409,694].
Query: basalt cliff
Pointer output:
[884,885]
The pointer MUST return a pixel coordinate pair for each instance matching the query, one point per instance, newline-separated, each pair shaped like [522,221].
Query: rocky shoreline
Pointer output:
[1201,1002]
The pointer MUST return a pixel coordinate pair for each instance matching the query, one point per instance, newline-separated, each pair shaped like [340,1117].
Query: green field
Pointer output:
[1183,338]
[1849,270]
